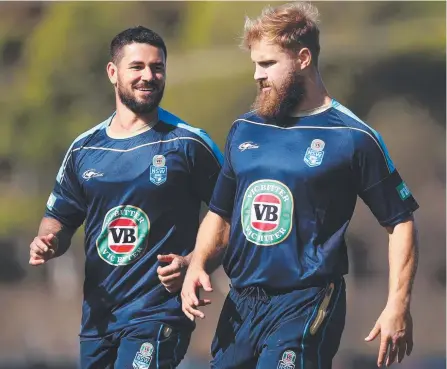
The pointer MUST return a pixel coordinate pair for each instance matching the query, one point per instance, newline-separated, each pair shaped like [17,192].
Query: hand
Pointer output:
[42,249]
[171,276]
[194,279]
[395,326]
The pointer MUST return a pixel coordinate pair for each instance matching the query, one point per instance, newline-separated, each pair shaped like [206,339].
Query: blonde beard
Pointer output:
[279,102]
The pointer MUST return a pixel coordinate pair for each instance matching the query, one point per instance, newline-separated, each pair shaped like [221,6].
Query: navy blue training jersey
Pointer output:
[291,191]
[139,197]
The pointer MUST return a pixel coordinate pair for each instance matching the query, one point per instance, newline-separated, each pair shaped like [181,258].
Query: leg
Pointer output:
[309,340]
[152,345]
[231,347]
[99,353]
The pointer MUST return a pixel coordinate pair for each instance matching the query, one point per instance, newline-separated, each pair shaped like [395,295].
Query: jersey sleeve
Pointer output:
[206,162]
[67,203]
[224,193]
[379,184]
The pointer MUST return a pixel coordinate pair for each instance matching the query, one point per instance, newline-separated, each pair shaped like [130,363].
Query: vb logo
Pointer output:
[265,212]
[123,237]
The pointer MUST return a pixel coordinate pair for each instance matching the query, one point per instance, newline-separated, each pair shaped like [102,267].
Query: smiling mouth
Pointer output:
[145,89]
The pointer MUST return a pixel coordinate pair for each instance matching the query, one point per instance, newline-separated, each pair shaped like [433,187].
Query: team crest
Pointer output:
[123,237]
[143,357]
[158,170]
[314,153]
[288,360]
[267,212]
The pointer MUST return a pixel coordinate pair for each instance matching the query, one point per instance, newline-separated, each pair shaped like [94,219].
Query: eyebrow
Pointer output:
[137,62]
[263,61]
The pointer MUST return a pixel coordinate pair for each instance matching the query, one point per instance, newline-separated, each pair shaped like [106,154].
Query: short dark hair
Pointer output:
[132,35]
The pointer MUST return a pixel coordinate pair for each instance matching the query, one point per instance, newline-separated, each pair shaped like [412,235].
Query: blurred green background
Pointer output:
[383,60]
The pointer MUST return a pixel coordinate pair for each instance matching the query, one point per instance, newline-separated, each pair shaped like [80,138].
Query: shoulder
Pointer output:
[366,139]
[81,140]
[85,137]
[360,130]
[249,117]
[193,136]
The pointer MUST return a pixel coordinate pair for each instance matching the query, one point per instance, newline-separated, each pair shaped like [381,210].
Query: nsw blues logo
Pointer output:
[143,358]
[287,361]
[315,153]
[158,170]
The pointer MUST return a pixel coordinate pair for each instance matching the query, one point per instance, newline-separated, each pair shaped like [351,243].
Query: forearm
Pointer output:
[212,239]
[403,260]
[62,233]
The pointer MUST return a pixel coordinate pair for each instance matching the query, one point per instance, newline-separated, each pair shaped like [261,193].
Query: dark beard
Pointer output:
[140,107]
[275,106]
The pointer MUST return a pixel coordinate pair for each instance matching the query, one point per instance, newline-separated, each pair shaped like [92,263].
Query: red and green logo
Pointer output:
[267,212]
[123,237]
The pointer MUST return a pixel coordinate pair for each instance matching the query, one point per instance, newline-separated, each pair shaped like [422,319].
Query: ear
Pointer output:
[304,58]
[112,72]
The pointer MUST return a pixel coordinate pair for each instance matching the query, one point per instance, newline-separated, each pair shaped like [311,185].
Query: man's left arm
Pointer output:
[395,324]
[381,187]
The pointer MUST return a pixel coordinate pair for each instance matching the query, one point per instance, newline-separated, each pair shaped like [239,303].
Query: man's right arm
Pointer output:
[212,240]
[53,240]
[65,212]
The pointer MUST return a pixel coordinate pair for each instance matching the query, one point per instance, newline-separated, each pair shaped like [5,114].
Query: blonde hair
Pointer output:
[292,26]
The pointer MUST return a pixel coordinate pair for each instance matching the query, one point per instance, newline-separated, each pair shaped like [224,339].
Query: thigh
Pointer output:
[232,346]
[152,346]
[99,353]
[311,339]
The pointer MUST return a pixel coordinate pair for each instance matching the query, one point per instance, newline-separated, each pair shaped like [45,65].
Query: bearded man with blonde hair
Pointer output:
[293,169]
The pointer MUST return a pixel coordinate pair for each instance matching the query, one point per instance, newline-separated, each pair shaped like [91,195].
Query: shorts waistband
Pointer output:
[265,293]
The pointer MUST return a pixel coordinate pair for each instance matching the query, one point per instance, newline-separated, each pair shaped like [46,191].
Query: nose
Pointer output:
[260,73]
[147,74]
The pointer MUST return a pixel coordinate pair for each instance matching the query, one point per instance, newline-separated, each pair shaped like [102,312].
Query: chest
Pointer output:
[144,171]
[314,156]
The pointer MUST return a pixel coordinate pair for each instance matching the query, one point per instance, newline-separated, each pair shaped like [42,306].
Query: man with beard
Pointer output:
[137,180]
[292,171]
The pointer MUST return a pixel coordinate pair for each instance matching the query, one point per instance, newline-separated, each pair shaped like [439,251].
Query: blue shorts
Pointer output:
[300,329]
[149,345]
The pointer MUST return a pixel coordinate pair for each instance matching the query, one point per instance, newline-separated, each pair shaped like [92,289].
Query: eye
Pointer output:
[266,64]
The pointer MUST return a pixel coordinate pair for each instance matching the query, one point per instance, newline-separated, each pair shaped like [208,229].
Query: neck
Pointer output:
[126,123]
[316,95]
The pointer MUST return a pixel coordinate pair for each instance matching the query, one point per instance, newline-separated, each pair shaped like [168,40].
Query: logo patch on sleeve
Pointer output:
[123,237]
[267,212]
[403,191]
